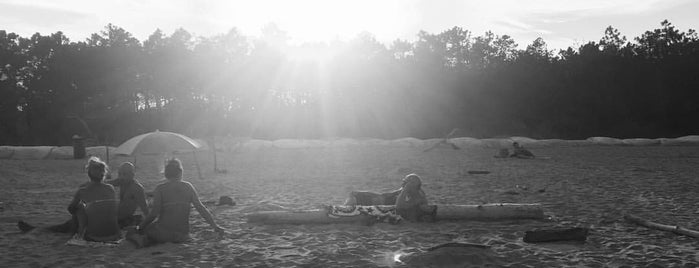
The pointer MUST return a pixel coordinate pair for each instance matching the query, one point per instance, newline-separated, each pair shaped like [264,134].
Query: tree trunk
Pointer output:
[668,228]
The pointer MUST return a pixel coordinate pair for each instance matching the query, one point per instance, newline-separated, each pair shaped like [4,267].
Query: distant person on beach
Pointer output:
[168,220]
[520,152]
[411,203]
[131,196]
[94,200]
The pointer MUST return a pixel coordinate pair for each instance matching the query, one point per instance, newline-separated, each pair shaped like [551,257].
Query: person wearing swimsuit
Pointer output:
[168,220]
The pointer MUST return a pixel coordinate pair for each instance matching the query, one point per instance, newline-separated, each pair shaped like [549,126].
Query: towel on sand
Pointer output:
[76,241]
[378,213]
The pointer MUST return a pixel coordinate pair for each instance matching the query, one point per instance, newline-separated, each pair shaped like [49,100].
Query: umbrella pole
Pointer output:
[196,162]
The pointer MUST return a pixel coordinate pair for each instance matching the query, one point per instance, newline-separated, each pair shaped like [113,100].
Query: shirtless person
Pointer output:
[131,196]
[96,191]
[168,220]
[520,152]
[411,203]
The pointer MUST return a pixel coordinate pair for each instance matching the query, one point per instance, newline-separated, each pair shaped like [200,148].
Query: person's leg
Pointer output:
[81,217]
[68,227]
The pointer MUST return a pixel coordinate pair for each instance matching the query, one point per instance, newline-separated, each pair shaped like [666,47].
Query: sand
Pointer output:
[588,186]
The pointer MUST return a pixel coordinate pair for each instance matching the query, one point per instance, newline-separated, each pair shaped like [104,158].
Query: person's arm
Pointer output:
[155,210]
[141,199]
[203,211]
[73,206]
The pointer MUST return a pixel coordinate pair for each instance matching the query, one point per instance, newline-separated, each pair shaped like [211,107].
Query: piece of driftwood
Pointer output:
[663,227]
[458,245]
[558,234]
[478,172]
[445,140]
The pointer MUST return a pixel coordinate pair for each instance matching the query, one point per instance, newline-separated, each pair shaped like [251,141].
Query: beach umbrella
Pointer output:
[159,142]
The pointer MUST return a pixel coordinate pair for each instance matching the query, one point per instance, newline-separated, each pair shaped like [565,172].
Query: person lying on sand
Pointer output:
[93,207]
[366,198]
[520,152]
[411,203]
[131,196]
[168,220]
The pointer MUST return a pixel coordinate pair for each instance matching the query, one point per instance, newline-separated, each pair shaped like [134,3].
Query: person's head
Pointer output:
[127,171]
[173,169]
[412,182]
[96,169]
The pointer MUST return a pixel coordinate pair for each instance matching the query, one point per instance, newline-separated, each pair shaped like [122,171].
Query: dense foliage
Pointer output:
[113,86]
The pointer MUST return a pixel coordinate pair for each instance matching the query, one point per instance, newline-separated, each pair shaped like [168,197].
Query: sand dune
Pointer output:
[590,186]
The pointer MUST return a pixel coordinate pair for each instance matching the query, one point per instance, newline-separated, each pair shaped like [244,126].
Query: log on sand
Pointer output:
[500,211]
[663,227]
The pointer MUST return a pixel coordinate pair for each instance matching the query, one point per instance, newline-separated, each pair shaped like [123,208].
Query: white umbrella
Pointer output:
[159,142]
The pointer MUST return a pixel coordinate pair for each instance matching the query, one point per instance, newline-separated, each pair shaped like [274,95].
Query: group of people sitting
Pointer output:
[97,214]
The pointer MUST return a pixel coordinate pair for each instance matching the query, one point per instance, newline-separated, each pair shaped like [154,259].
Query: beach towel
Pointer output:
[75,241]
[378,213]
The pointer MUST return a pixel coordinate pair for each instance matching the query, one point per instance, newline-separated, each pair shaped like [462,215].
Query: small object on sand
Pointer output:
[458,244]
[225,200]
[663,227]
[503,153]
[551,235]
[24,227]
[478,172]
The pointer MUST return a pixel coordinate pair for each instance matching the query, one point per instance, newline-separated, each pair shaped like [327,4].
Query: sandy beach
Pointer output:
[585,186]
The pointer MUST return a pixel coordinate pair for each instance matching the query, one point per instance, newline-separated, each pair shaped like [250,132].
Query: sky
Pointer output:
[562,23]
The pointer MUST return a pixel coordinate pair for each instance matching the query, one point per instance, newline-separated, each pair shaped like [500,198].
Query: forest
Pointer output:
[113,86]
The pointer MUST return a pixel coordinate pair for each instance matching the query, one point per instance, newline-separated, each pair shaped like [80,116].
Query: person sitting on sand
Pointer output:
[131,196]
[168,220]
[520,152]
[411,203]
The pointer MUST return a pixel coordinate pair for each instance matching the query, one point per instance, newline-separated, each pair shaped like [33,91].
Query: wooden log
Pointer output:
[499,211]
[558,234]
[663,227]
[502,211]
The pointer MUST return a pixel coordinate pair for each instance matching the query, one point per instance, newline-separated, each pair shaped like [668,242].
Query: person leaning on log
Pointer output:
[411,203]
[520,152]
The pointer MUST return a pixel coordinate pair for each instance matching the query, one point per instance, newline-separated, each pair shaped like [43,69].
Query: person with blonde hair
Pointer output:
[168,220]
[93,208]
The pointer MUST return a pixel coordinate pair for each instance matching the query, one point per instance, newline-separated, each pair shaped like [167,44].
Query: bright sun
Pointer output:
[315,20]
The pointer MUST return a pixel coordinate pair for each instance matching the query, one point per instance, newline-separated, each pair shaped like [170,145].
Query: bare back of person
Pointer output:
[90,195]
[130,196]
[174,199]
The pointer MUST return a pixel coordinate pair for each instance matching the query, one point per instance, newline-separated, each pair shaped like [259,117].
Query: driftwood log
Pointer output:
[485,212]
[458,245]
[663,227]
[559,234]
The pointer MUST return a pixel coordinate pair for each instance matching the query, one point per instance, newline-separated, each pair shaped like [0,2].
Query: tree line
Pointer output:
[112,86]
